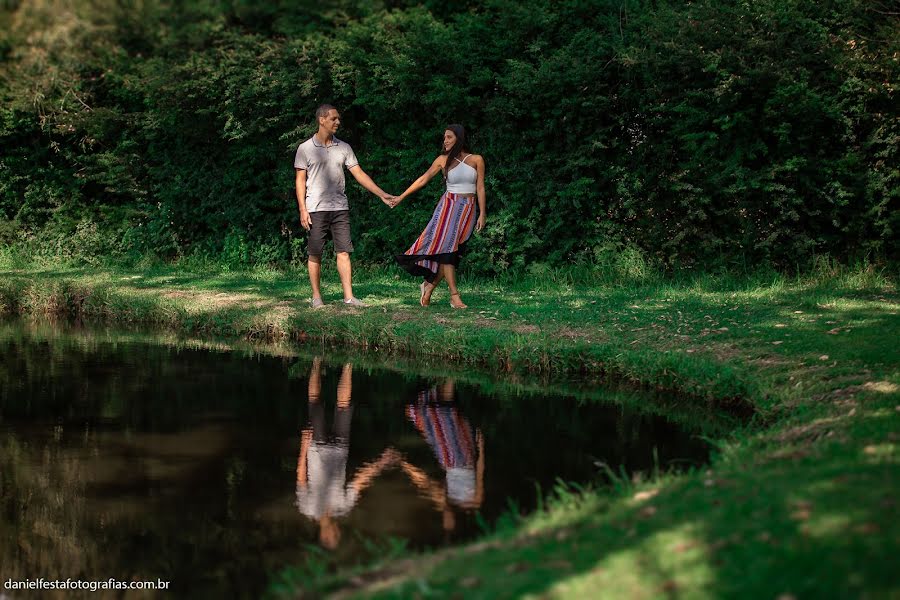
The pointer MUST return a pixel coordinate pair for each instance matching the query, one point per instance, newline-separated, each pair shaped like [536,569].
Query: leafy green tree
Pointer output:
[698,134]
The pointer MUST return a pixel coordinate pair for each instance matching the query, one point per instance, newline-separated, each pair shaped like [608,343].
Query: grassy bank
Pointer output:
[803,502]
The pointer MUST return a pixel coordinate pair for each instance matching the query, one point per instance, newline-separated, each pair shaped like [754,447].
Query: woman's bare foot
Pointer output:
[457,302]
[425,297]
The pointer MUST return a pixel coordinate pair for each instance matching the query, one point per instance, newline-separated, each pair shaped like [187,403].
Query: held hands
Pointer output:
[390,199]
[391,456]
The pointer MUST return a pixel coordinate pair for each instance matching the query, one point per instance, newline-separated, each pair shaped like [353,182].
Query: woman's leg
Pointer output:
[450,276]
[429,287]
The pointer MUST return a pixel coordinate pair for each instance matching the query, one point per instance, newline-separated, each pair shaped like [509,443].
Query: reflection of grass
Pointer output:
[674,407]
[802,502]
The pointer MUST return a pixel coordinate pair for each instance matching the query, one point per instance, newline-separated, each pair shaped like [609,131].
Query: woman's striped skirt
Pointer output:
[444,239]
[448,433]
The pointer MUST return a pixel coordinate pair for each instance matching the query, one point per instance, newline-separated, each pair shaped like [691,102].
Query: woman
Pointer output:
[435,255]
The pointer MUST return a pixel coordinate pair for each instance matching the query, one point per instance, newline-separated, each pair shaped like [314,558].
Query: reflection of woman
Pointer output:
[435,254]
[322,491]
[458,449]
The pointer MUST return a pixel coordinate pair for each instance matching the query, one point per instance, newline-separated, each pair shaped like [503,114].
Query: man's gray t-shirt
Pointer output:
[324,166]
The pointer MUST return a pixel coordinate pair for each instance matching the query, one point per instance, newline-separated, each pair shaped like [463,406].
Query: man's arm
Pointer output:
[365,474]
[300,184]
[366,181]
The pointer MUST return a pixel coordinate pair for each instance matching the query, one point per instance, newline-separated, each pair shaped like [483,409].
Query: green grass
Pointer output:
[803,501]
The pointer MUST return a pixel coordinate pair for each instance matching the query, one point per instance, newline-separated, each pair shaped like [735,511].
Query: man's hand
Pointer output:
[389,199]
[305,220]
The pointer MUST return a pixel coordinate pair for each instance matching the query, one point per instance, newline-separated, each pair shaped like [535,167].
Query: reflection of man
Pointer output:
[322,491]
[459,452]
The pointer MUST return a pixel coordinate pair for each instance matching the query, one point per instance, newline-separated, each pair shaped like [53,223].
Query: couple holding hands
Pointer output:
[324,210]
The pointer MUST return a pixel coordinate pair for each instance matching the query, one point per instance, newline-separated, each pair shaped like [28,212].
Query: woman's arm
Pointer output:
[423,180]
[482,197]
[426,484]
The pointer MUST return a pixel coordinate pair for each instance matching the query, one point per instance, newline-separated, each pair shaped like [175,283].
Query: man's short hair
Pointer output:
[323,110]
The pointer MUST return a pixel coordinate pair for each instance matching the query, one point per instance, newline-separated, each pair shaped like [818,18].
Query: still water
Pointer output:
[144,458]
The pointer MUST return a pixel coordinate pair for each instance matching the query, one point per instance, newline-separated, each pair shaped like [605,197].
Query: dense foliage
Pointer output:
[707,133]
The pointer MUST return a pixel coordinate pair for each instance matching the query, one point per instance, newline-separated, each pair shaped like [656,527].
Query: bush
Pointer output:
[682,135]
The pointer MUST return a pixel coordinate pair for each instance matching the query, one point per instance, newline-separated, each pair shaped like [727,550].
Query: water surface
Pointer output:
[128,458]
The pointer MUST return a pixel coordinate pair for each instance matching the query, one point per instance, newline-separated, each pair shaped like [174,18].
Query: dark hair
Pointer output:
[323,110]
[460,146]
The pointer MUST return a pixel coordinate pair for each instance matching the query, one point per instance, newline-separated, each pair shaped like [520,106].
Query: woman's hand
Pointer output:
[479,225]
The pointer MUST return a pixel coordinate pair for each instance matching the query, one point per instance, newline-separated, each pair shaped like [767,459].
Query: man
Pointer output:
[324,209]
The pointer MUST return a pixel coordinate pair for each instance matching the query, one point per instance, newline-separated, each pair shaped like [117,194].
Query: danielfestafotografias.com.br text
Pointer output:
[81,584]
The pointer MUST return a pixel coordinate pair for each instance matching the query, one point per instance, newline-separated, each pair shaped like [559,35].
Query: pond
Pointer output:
[142,457]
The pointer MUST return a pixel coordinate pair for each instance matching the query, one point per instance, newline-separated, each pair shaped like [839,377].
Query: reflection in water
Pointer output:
[459,452]
[137,460]
[322,489]
[323,493]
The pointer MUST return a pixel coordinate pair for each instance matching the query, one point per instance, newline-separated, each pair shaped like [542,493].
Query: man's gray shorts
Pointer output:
[329,225]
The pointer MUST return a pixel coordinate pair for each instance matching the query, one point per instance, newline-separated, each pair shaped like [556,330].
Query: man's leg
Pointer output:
[316,410]
[344,411]
[343,246]
[317,235]
[345,272]
[315,273]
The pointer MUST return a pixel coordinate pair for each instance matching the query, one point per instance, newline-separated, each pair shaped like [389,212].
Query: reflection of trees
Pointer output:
[139,385]
[70,513]
[109,449]
[42,532]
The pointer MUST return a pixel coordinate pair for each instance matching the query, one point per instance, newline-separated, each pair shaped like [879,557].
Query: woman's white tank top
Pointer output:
[461,179]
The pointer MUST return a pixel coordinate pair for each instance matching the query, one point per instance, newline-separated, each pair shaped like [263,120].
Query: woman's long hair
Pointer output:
[460,146]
